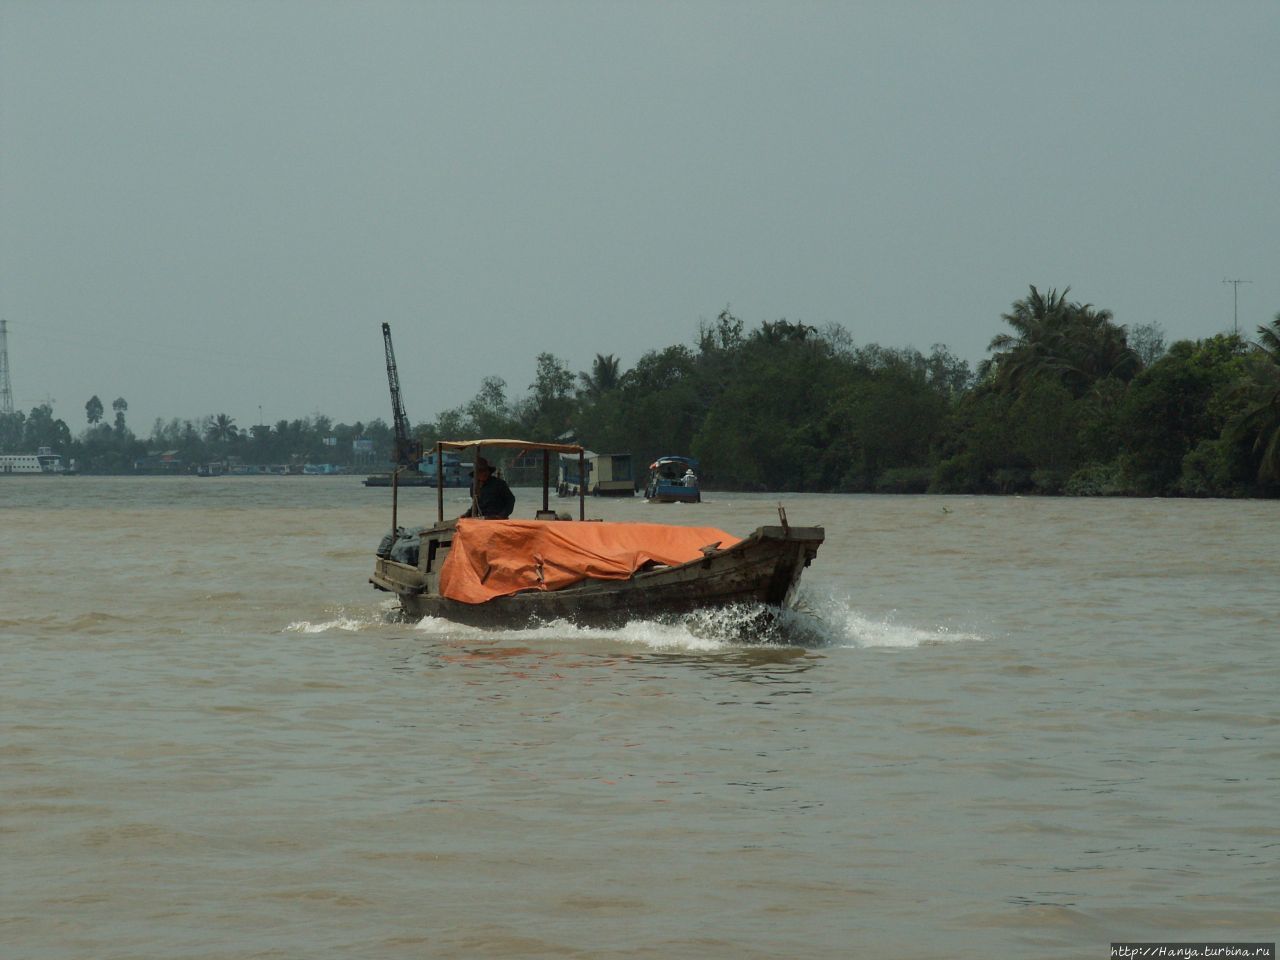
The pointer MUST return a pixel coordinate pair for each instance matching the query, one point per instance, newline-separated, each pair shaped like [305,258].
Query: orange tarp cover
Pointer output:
[496,558]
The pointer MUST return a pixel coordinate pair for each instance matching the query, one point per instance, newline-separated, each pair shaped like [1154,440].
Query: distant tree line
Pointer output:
[1068,402]
[113,448]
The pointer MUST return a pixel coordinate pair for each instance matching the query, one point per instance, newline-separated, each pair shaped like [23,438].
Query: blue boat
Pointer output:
[568,482]
[673,480]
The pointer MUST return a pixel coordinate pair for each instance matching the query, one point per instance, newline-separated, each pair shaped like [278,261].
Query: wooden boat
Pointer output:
[517,573]
[673,480]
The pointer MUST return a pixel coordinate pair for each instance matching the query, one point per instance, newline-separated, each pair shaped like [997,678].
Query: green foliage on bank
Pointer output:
[1068,402]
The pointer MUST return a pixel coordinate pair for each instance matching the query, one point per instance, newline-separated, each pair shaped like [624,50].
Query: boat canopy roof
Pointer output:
[508,442]
[689,460]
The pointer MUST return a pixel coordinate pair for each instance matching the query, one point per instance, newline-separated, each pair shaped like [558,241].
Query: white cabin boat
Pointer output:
[43,461]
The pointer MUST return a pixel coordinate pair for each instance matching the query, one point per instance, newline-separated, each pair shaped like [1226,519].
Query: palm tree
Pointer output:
[1097,349]
[1270,337]
[1073,343]
[603,377]
[223,428]
[1261,419]
[1034,319]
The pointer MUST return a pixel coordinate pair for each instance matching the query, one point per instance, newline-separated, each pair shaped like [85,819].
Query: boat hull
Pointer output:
[672,493]
[408,479]
[762,570]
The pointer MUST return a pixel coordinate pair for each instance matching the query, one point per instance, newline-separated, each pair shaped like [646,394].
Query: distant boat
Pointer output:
[607,475]
[570,483]
[673,480]
[610,475]
[456,474]
[408,478]
[44,462]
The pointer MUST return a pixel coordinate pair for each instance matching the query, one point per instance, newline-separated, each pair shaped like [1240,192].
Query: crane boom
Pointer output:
[407,453]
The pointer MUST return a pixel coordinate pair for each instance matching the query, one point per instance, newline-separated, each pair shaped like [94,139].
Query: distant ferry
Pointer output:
[43,461]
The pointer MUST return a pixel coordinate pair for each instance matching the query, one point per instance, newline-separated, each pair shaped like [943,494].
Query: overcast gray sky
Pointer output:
[210,207]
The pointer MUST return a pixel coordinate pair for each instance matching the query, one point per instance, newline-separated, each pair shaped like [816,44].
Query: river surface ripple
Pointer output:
[1006,727]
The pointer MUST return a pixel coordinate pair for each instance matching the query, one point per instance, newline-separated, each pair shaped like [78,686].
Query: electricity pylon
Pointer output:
[1235,309]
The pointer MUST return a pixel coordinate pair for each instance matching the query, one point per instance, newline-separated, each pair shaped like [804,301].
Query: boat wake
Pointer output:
[340,623]
[816,621]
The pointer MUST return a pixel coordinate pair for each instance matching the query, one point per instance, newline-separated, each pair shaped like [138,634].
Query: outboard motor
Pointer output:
[401,546]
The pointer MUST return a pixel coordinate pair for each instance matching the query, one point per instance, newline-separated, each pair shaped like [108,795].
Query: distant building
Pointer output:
[166,462]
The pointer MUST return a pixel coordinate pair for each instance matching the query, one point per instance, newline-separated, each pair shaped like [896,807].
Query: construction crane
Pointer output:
[407,452]
[6,388]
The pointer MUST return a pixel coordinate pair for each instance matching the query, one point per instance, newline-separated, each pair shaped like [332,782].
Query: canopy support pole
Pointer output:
[395,497]
[546,478]
[475,490]
[439,483]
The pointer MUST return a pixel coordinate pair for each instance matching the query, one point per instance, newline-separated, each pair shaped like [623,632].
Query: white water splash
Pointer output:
[818,621]
[652,634]
[864,632]
[845,626]
[347,624]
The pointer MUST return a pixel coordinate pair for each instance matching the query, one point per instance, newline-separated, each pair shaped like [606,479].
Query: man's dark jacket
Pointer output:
[494,499]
